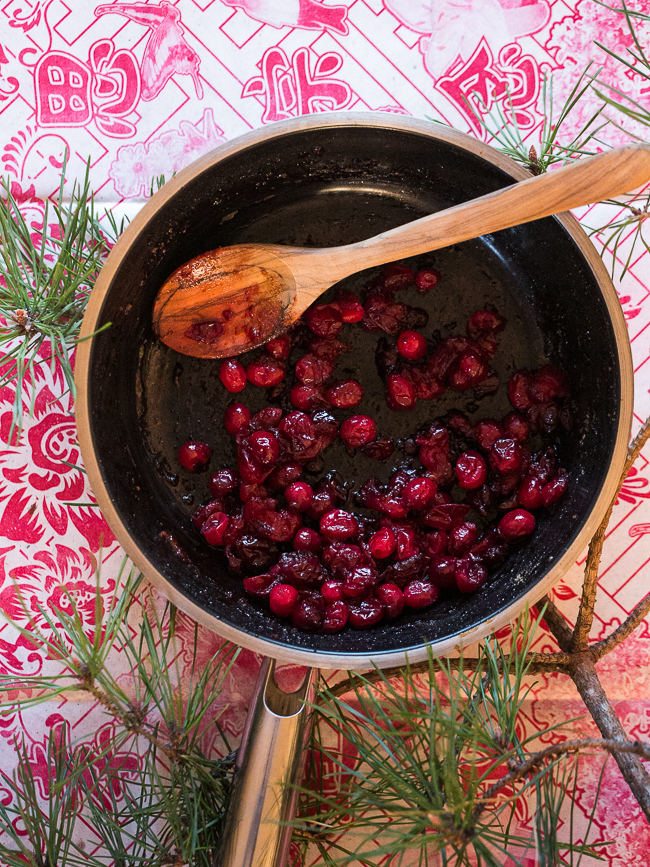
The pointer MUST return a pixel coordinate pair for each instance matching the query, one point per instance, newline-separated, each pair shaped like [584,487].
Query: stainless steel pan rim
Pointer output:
[316,657]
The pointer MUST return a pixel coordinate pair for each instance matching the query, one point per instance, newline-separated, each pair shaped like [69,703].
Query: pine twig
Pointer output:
[634,619]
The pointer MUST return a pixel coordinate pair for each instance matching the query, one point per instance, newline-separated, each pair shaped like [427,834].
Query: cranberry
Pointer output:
[393,599]
[400,393]
[266,418]
[311,370]
[380,449]
[214,528]
[324,320]
[345,394]
[470,575]
[419,493]
[223,482]
[516,426]
[484,321]
[553,489]
[306,397]
[250,469]
[309,614]
[461,538]
[232,374]
[358,582]
[327,347]
[282,477]
[505,455]
[338,524]
[437,463]
[336,618]
[420,594]
[487,432]
[471,470]
[265,372]
[283,598]
[471,370]
[369,612]
[260,585]
[382,314]
[302,569]
[279,347]
[298,432]
[308,540]
[299,496]
[194,456]
[395,276]
[426,386]
[444,516]
[547,384]
[426,279]
[237,418]
[516,524]
[350,306]
[202,514]
[358,430]
[341,558]
[434,544]
[406,543]
[331,591]
[205,332]
[382,543]
[264,446]
[248,490]
[411,345]
[530,493]
[519,389]
[442,571]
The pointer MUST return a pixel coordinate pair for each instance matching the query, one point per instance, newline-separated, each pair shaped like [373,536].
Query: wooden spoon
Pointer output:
[232,299]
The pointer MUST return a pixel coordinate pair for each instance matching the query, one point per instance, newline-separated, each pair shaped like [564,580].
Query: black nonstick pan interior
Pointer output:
[333,183]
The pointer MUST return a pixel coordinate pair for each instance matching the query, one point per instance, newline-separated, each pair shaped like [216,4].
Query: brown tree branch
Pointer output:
[556,623]
[585,616]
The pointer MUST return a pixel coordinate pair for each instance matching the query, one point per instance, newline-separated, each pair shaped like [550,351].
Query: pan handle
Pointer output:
[269,760]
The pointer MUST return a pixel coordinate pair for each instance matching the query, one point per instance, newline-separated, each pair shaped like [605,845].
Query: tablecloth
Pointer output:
[140,90]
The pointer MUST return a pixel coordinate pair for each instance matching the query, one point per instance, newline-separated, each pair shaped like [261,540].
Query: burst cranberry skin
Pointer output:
[406,543]
[505,455]
[471,470]
[516,426]
[279,347]
[380,449]
[299,496]
[461,538]
[515,524]
[284,476]
[283,598]
[306,397]
[484,321]
[232,374]
[201,515]
[194,456]
[309,614]
[442,571]
[426,279]
[411,345]
[237,418]
[324,320]
[350,306]
[529,494]
[265,372]
[369,612]
[260,585]
[338,524]
[420,594]
[223,482]
[307,540]
[336,617]
[393,599]
[214,528]
[358,430]
[264,446]
[470,575]
[311,370]
[345,394]
[487,432]
[400,393]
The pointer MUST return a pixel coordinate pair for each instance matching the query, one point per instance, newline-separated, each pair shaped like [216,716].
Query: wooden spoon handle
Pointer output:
[581,183]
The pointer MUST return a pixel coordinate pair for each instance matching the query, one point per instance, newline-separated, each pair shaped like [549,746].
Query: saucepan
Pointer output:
[326,180]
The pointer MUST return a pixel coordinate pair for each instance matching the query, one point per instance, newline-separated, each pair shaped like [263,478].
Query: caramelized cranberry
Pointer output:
[358,430]
[311,370]
[445,515]
[237,418]
[470,575]
[248,490]
[324,320]
[301,569]
[553,490]
[266,418]
[336,618]
[442,571]
[307,540]
[547,384]
[299,496]
[282,477]
[223,482]
[306,397]
[396,276]
[400,393]
[345,394]
[232,374]
[279,347]
[283,598]
[369,612]
[194,456]
[461,538]
[358,582]
[382,543]
[309,614]
[338,524]
[530,492]
[380,449]
[505,455]
[264,446]
[214,528]
[411,345]
[516,426]
[350,306]
[265,372]
[420,594]
[471,470]
[260,585]
[331,591]
[202,514]
[426,279]
[487,432]
[406,543]
[419,493]
[484,321]
[519,389]
[393,599]
[516,524]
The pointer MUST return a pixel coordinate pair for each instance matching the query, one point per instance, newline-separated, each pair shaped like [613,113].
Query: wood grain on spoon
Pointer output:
[232,299]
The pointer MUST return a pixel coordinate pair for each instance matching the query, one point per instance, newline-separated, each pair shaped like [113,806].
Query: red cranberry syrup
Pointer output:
[325,556]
